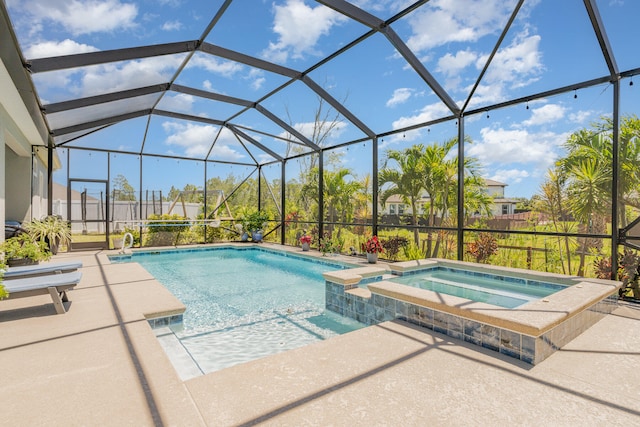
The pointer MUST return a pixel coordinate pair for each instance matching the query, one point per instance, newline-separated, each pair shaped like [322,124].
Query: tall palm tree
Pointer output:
[629,158]
[406,181]
[588,166]
[441,182]
[588,197]
[339,193]
[438,178]
[363,198]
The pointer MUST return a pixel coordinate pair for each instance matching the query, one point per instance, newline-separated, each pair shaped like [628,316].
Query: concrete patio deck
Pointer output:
[100,364]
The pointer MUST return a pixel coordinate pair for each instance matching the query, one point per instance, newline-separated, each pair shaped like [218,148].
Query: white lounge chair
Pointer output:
[41,269]
[55,285]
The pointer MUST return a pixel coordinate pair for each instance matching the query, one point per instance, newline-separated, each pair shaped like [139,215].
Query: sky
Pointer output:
[550,44]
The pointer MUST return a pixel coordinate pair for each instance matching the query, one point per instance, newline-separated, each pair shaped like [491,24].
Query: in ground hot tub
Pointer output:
[543,312]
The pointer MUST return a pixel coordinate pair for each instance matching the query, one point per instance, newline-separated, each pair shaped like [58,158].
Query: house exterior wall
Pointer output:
[18,186]
[500,206]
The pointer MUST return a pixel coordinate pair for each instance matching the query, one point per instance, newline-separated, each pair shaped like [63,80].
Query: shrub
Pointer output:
[483,248]
[412,252]
[393,245]
[372,246]
[24,246]
[165,229]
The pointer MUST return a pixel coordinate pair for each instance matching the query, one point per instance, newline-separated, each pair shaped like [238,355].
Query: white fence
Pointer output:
[121,213]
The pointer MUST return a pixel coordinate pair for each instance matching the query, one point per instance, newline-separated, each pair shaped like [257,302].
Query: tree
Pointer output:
[407,181]
[552,201]
[122,190]
[588,167]
[363,198]
[338,195]
[441,183]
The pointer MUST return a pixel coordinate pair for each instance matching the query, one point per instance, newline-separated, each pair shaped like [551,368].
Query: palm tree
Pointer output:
[407,181]
[588,167]
[629,158]
[438,180]
[363,198]
[587,197]
[338,195]
[441,182]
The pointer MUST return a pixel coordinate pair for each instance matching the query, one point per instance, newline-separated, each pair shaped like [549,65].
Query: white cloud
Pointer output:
[207,85]
[546,114]
[452,64]
[510,176]
[581,116]
[382,7]
[258,83]
[214,65]
[224,152]
[180,102]
[517,64]
[299,27]
[172,26]
[256,78]
[487,94]
[131,74]
[196,139]
[446,21]
[53,48]
[400,96]
[428,113]
[82,17]
[509,147]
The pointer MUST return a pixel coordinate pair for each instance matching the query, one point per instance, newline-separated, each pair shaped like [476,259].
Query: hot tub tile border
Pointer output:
[532,350]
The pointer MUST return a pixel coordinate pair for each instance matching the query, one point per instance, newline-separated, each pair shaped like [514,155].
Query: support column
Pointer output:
[283,199]
[460,224]
[3,181]
[374,184]
[259,187]
[320,193]
[615,149]
[50,149]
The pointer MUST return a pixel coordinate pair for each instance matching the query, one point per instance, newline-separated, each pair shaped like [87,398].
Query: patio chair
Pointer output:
[41,269]
[56,285]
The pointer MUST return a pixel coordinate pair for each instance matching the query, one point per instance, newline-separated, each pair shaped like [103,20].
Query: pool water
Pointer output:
[503,291]
[244,304]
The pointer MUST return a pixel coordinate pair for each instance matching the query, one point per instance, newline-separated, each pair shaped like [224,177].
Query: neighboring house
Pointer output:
[501,205]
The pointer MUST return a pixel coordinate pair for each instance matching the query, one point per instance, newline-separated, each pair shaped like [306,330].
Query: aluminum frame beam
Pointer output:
[41,65]
[306,141]
[210,95]
[419,68]
[337,105]
[601,35]
[101,122]
[237,131]
[377,24]
[189,117]
[248,60]
[58,107]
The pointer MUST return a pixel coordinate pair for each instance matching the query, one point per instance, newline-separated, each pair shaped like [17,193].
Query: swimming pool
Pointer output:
[242,303]
[503,291]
